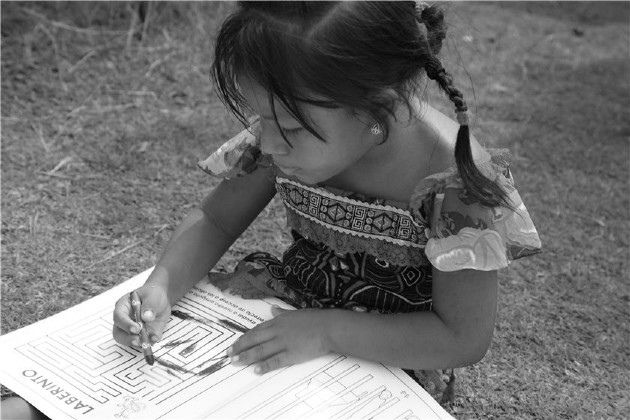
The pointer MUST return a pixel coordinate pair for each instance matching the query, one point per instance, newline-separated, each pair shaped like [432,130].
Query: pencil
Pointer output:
[144,337]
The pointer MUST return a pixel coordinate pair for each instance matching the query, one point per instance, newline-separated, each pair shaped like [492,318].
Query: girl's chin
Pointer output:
[303,177]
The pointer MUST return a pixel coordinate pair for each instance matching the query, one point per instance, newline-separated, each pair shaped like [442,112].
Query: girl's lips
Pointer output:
[287,171]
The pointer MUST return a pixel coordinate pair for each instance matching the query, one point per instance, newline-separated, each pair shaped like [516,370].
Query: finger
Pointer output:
[155,330]
[276,310]
[277,361]
[258,353]
[250,339]
[123,318]
[153,300]
[124,338]
[154,338]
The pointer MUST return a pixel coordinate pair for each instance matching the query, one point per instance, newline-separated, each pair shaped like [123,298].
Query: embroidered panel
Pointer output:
[342,243]
[352,217]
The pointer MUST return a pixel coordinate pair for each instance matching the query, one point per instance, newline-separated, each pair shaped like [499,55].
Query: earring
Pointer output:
[376,129]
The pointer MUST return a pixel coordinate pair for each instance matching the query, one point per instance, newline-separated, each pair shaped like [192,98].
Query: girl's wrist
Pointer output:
[159,278]
[330,322]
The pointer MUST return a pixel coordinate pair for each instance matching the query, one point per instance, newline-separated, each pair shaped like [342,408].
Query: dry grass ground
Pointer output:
[101,133]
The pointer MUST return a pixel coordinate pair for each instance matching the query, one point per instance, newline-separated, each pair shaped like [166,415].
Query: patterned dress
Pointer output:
[369,254]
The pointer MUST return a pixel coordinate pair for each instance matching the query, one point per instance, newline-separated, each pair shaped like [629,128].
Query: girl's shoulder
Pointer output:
[493,163]
[463,233]
[238,156]
[438,125]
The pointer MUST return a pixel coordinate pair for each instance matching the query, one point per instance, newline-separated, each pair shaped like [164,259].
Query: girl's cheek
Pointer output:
[272,145]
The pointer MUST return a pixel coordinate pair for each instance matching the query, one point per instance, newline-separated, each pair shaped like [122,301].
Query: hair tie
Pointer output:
[463,116]
[420,6]
[433,67]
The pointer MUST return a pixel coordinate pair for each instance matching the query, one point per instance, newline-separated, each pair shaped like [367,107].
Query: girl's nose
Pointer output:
[272,143]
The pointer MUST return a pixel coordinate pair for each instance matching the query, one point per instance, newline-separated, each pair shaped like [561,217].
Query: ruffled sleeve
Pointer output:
[238,156]
[463,234]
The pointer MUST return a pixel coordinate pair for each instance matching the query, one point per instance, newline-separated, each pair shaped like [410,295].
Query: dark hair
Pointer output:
[341,55]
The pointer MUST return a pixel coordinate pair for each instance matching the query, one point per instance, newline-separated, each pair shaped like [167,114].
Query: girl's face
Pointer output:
[309,159]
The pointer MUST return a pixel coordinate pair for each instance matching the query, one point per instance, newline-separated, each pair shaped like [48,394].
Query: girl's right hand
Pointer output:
[155,313]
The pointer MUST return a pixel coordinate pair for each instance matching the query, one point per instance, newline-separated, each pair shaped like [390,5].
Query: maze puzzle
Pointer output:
[194,335]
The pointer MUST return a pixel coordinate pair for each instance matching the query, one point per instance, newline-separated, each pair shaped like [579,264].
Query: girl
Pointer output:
[396,247]
[400,219]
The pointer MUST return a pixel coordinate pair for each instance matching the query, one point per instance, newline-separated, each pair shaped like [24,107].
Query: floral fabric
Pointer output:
[464,233]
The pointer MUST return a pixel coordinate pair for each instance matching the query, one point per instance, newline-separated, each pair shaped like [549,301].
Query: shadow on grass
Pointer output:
[582,13]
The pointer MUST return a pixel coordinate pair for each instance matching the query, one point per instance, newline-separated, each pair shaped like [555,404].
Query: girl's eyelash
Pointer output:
[291,131]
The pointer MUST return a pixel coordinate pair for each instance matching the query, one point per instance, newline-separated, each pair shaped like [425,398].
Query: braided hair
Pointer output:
[477,185]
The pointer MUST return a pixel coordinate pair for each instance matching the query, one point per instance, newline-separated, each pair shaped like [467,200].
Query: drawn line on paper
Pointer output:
[224,322]
[222,362]
[176,343]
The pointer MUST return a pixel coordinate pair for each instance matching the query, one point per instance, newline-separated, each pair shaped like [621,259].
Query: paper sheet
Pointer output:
[69,367]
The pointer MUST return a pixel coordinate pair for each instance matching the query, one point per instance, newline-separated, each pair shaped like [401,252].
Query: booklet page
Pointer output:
[70,367]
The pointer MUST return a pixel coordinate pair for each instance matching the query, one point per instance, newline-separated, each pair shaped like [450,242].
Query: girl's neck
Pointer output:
[416,147]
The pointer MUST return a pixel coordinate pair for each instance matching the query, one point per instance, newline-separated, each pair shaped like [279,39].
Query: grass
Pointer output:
[101,132]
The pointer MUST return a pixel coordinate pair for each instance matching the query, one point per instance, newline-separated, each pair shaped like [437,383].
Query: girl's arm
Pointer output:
[209,230]
[457,332]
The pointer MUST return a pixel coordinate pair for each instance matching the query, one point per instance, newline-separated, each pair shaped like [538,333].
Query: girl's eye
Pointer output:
[291,132]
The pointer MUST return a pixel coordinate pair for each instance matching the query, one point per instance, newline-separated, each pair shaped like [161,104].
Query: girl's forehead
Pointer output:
[258,100]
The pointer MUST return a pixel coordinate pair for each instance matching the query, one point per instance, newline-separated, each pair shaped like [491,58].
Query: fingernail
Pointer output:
[135,329]
[135,343]
[257,369]
[148,315]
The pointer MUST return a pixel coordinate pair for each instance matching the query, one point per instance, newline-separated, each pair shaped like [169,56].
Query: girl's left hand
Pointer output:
[289,338]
